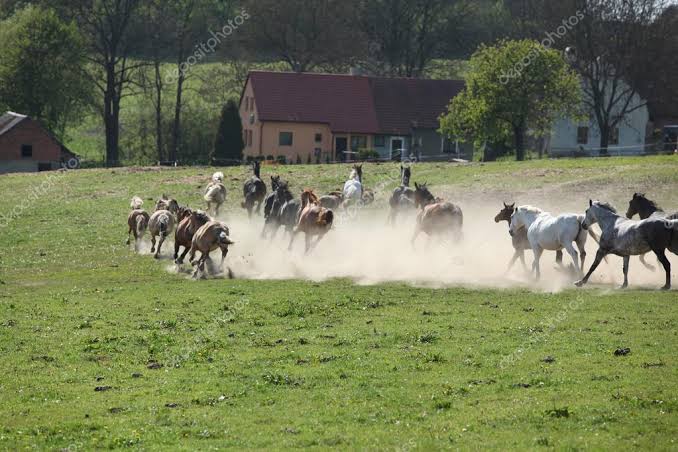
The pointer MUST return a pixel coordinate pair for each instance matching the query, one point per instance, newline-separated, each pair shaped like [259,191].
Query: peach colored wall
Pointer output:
[245,114]
[303,140]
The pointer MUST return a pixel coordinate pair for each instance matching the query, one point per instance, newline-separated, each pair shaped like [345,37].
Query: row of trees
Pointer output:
[79,56]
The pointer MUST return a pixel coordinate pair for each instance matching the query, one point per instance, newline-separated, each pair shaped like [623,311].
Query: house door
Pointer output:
[341,146]
[397,145]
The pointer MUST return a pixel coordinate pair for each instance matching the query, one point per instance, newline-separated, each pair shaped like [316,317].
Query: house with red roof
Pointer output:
[26,145]
[331,117]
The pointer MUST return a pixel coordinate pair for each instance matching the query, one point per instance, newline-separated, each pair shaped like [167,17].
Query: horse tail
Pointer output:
[593,235]
[142,223]
[136,203]
[325,218]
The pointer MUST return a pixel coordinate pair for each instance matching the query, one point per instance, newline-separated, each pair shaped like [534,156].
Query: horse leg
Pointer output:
[129,233]
[575,257]
[513,260]
[625,269]
[535,265]
[293,234]
[183,255]
[152,243]
[307,238]
[162,239]
[258,207]
[667,267]
[417,230]
[600,254]
[645,264]
[581,245]
[176,251]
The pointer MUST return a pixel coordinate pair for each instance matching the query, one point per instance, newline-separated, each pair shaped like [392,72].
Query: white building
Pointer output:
[583,138]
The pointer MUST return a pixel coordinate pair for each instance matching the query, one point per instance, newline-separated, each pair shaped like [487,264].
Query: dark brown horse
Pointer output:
[313,220]
[646,208]
[519,238]
[254,190]
[436,217]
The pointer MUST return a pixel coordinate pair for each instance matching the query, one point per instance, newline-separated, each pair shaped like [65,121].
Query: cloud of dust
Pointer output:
[365,249]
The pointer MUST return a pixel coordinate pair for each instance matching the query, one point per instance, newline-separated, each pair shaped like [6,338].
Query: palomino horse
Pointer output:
[160,224]
[313,219]
[645,208]
[281,196]
[254,190]
[402,196]
[166,203]
[546,232]
[137,221]
[436,217]
[215,193]
[627,238]
[183,236]
[209,237]
[353,187]
[519,238]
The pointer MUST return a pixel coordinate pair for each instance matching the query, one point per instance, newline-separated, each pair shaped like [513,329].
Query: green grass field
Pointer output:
[102,348]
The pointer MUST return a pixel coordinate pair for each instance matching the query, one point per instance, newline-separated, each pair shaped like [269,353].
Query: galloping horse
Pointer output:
[353,187]
[215,193]
[548,232]
[268,201]
[209,237]
[183,236]
[281,196]
[519,238]
[402,196]
[436,217]
[645,208]
[137,221]
[627,238]
[254,190]
[313,219]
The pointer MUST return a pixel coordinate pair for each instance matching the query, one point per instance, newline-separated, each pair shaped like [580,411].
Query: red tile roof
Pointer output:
[349,103]
[342,101]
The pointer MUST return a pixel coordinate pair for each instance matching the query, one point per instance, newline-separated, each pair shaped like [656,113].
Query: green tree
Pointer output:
[228,144]
[513,88]
[41,68]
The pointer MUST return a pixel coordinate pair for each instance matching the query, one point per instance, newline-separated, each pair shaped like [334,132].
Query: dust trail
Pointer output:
[368,251]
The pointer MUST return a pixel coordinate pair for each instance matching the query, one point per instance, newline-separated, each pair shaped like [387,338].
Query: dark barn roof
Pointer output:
[10,120]
[350,103]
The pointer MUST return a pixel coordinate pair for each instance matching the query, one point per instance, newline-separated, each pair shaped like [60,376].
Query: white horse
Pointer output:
[546,232]
[353,188]
[215,193]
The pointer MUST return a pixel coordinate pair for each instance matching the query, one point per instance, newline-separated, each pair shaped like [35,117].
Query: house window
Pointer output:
[285,139]
[379,141]
[318,137]
[358,142]
[26,150]
[582,135]
[614,136]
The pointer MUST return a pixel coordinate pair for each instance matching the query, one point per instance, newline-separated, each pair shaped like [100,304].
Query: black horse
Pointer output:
[281,196]
[646,208]
[254,190]
[268,201]
[403,196]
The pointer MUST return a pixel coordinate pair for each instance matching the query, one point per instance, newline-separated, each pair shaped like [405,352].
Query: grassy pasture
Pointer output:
[101,348]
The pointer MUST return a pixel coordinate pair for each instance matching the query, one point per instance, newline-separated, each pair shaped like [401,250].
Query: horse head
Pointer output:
[505,213]
[422,195]
[275,180]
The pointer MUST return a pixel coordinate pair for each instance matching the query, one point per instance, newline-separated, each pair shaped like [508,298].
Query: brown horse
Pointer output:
[332,200]
[519,238]
[137,221]
[183,236]
[313,219]
[436,217]
[209,237]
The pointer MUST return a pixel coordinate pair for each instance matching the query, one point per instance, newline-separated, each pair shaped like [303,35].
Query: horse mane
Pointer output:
[529,209]
[607,206]
[308,197]
[648,202]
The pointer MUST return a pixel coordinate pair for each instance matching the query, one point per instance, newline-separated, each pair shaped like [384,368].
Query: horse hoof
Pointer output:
[623,286]
[156,256]
[579,283]
[666,287]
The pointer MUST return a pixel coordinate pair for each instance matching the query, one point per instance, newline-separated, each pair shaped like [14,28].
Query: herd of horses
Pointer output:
[530,228]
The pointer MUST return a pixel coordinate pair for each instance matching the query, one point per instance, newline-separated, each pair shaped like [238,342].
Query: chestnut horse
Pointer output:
[183,236]
[209,237]
[137,221]
[436,217]
[313,219]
